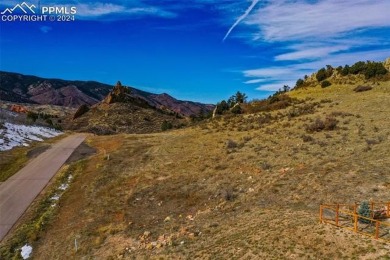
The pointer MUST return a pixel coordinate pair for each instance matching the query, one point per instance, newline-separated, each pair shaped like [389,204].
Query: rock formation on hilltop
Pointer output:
[118,94]
[123,112]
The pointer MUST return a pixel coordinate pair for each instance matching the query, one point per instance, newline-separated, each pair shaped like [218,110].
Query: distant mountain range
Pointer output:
[20,88]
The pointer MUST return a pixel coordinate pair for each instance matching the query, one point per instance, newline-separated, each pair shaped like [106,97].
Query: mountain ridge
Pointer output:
[20,88]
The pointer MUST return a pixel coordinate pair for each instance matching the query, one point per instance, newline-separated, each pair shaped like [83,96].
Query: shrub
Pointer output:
[166,125]
[325,84]
[361,88]
[299,83]
[358,67]
[345,70]
[222,107]
[307,138]
[321,75]
[374,69]
[236,109]
[229,194]
[230,144]
[32,116]
[364,211]
[330,123]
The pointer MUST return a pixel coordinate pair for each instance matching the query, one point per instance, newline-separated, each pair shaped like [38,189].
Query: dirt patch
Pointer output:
[81,152]
[37,151]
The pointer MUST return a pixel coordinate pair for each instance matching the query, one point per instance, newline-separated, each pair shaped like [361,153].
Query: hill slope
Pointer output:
[237,186]
[123,111]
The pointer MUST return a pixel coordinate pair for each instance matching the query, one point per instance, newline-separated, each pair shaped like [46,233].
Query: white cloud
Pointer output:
[252,81]
[316,33]
[100,9]
[297,20]
[275,77]
[311,53]
[274,86]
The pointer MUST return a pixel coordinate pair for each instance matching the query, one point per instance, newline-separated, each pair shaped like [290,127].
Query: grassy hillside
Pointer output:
[237,186]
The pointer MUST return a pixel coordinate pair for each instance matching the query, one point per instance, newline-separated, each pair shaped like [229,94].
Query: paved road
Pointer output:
[19,191]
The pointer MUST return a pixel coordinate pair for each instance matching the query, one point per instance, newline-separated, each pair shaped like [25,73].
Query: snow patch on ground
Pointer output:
[60,190]
[12,135]
[64,186]
[26,251]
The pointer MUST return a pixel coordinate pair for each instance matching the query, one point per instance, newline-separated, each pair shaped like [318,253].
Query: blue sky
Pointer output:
[201,50]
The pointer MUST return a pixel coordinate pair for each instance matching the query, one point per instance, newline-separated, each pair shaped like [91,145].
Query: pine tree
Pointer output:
[364,211]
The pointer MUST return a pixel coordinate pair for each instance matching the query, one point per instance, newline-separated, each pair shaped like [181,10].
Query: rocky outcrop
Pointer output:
[81,111]
[118,94]
[18,109]
[387,64]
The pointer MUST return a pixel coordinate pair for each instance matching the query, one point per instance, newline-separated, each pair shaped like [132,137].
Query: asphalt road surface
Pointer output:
[19,191]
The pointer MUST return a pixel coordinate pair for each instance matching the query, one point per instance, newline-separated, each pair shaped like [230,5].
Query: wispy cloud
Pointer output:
[287,20]
[273,78]
[97,10]
[315,33]
[45,29]
[242,17]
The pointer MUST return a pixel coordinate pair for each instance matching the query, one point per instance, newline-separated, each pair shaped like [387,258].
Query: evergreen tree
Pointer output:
[364,211]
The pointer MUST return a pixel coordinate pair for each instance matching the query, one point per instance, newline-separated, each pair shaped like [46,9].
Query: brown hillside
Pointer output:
[121,112]
[235,187]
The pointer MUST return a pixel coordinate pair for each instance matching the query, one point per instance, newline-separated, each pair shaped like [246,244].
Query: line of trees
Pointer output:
[232,104]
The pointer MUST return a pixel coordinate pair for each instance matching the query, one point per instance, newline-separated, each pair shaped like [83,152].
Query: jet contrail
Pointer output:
[242,17]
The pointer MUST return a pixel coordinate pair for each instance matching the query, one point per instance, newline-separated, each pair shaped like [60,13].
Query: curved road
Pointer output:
[20,190]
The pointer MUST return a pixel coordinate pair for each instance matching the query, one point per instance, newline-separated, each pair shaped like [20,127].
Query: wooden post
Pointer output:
[377,230]
[388,209]
[321,213]
[355,224]
[372,209]
[337,215]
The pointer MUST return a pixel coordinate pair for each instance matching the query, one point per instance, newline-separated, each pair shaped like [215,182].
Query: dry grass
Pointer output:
[12,161]
[246,186]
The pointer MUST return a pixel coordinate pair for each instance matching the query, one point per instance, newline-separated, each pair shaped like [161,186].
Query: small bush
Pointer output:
[166,125]
[361,88]
[330,123]
[265,166]
[307,138]
[300,83]
[230,144]
[236,109]
[229,194]
[364,211]
[325,84]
